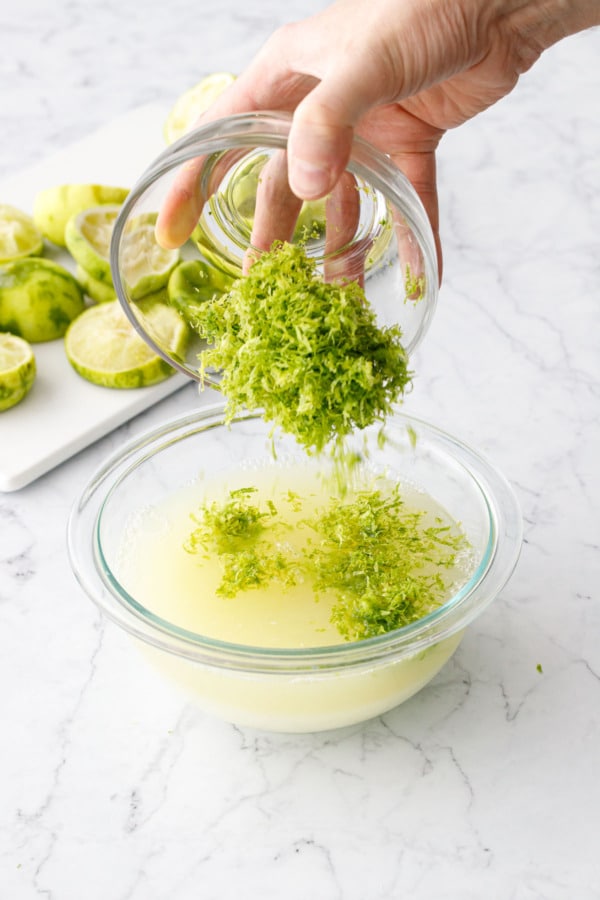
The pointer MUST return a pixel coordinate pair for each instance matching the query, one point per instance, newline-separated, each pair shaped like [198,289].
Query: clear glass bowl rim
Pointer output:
[271,129]
[454,616]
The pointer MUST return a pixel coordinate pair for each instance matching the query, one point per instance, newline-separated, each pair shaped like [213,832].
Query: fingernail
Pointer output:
[307,180]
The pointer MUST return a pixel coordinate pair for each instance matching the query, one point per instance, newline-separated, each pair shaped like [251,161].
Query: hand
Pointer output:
[398,72]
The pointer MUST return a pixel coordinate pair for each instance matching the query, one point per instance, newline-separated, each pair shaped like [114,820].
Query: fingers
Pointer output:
[420,169]
[269,83]
[344,259]
[322,129]
[329,85]
[181,208]
[277,208]
[328,94]
[411,144]
[183,204]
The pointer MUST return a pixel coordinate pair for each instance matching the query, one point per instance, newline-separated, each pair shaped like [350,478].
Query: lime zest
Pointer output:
[241,534]
[414,285]
[386,565]
[193,283]
[307,352]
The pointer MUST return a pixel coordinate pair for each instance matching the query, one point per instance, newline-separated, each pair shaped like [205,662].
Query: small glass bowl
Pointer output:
[373,228]
[307,689]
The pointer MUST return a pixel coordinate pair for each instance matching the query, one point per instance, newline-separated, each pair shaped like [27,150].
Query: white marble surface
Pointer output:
[485,785]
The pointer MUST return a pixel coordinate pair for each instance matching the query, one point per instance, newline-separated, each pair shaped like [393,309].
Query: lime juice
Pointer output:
[286,582]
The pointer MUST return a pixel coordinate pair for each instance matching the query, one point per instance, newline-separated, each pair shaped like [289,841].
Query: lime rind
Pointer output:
[105,349]
[87,236]
[54,206]
[98,291]
[38,299]
[163,324]
[193,102]
[145,265]
[192,284]
[17,370]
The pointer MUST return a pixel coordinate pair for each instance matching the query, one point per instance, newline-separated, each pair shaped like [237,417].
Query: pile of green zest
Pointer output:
[241,535]
[308,353]
[383,563]
[384,566]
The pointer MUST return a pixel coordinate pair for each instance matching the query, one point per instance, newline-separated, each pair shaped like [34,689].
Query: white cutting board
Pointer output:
[64,413]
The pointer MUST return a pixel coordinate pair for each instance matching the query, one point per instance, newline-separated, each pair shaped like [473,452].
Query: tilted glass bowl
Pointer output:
[372,228]
[292,689]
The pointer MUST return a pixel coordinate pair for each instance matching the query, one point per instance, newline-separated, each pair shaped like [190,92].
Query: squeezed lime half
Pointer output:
[17,370]
[87,236]
[104,348]
[54,206]
[19,236]
[191,104]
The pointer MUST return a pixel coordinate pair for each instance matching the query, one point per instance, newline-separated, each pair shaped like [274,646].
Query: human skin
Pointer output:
[400,73]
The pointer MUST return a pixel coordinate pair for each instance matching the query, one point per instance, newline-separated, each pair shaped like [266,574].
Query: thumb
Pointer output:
[322,130]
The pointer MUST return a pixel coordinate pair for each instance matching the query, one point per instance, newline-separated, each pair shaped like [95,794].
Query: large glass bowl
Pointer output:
[288,689]
[373,228]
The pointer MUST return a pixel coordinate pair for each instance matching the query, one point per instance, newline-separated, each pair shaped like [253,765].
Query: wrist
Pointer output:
[541,23]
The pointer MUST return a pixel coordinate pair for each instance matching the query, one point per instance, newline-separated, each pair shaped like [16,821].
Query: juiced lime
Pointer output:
[146,266]
[203,240]
[87,236]
[163,324]
[194,102]
[192,283]
[17,369]
[38,299]
[98,291]
[54,206]
[103,347]
[19,236]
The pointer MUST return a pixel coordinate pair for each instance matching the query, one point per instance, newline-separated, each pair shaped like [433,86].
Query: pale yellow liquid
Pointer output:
[181,587]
